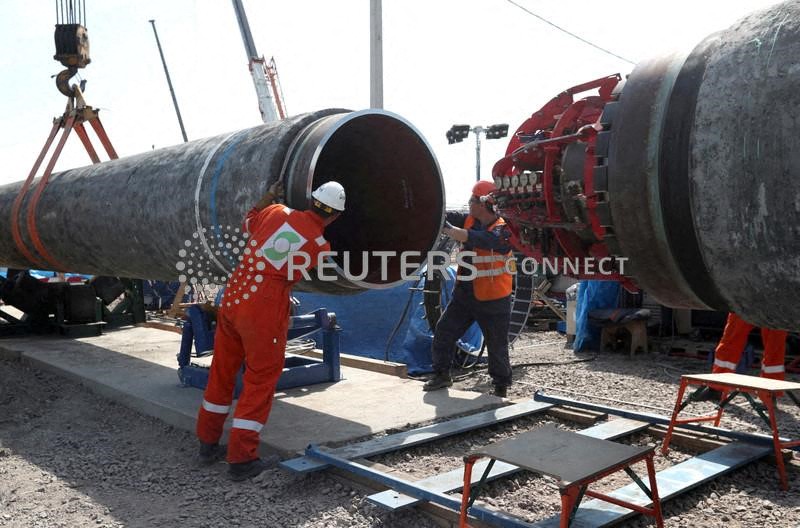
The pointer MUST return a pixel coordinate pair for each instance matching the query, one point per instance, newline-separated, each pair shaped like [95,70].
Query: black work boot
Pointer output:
[439,380]
[210,453]
[245,470]
[500,391]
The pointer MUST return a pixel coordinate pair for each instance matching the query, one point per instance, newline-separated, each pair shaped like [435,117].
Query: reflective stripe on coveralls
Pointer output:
[211,407]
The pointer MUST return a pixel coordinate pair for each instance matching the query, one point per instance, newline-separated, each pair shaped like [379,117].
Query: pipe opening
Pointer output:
[395,194]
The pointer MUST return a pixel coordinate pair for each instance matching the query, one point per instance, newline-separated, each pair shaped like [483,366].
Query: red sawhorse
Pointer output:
[732,385]
[575,460]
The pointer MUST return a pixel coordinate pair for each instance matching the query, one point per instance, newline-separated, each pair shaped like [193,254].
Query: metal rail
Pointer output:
[404,493]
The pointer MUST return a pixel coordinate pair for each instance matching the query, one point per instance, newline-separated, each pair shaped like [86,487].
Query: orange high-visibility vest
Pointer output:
[492,281]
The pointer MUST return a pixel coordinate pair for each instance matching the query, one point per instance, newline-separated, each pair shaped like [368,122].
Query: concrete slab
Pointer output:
[137,367]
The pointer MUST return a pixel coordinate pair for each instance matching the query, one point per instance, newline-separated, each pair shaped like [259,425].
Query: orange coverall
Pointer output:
[734,339]
[252,325]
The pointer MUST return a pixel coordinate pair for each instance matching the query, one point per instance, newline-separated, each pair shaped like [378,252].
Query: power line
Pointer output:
[570,33]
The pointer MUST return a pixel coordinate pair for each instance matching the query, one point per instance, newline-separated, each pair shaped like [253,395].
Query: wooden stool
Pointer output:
[731,385]
[575,460]
[637,330]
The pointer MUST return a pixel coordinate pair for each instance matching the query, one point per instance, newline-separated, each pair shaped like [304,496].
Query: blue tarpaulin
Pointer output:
[43,274]
[592,295]
[368,320]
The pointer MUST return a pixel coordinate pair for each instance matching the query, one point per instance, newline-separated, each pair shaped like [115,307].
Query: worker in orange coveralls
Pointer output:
[734,339]
[730,348]
[253,321]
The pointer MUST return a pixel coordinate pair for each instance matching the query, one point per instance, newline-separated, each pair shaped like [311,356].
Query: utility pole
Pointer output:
[173,310]
[169,82]
[375,55]
[478,130]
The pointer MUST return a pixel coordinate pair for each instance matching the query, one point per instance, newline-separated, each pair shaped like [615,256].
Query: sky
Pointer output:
[476,62]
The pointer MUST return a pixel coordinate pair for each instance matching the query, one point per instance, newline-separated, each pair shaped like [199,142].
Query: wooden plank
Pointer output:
[420,435]
[671,482]
[687,439]
[577,415]
[176,301]
[454,480]
[161,326]
[374,365]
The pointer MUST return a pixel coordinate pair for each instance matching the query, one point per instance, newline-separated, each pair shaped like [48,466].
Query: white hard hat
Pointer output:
[331,194]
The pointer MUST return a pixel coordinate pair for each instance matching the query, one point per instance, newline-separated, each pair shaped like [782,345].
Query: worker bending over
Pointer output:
[253,321]
[486,299]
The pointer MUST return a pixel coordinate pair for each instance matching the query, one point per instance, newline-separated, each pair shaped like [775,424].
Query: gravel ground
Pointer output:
[750,497]
[70,458]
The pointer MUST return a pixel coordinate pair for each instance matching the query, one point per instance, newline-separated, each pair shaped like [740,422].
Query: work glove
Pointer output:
[448,230]
[277,190]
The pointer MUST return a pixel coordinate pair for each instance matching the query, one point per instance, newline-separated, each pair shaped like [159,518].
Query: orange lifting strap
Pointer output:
[75,115]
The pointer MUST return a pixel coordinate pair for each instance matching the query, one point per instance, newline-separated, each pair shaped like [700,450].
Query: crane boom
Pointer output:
[266,103]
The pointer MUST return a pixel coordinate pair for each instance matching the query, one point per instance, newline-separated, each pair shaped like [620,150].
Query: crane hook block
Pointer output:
[72,45]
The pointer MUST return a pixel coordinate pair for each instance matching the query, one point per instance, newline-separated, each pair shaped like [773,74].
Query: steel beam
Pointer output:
[419,435]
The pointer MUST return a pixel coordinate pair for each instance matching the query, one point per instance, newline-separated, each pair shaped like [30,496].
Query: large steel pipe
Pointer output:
[704,171]
[178,211]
